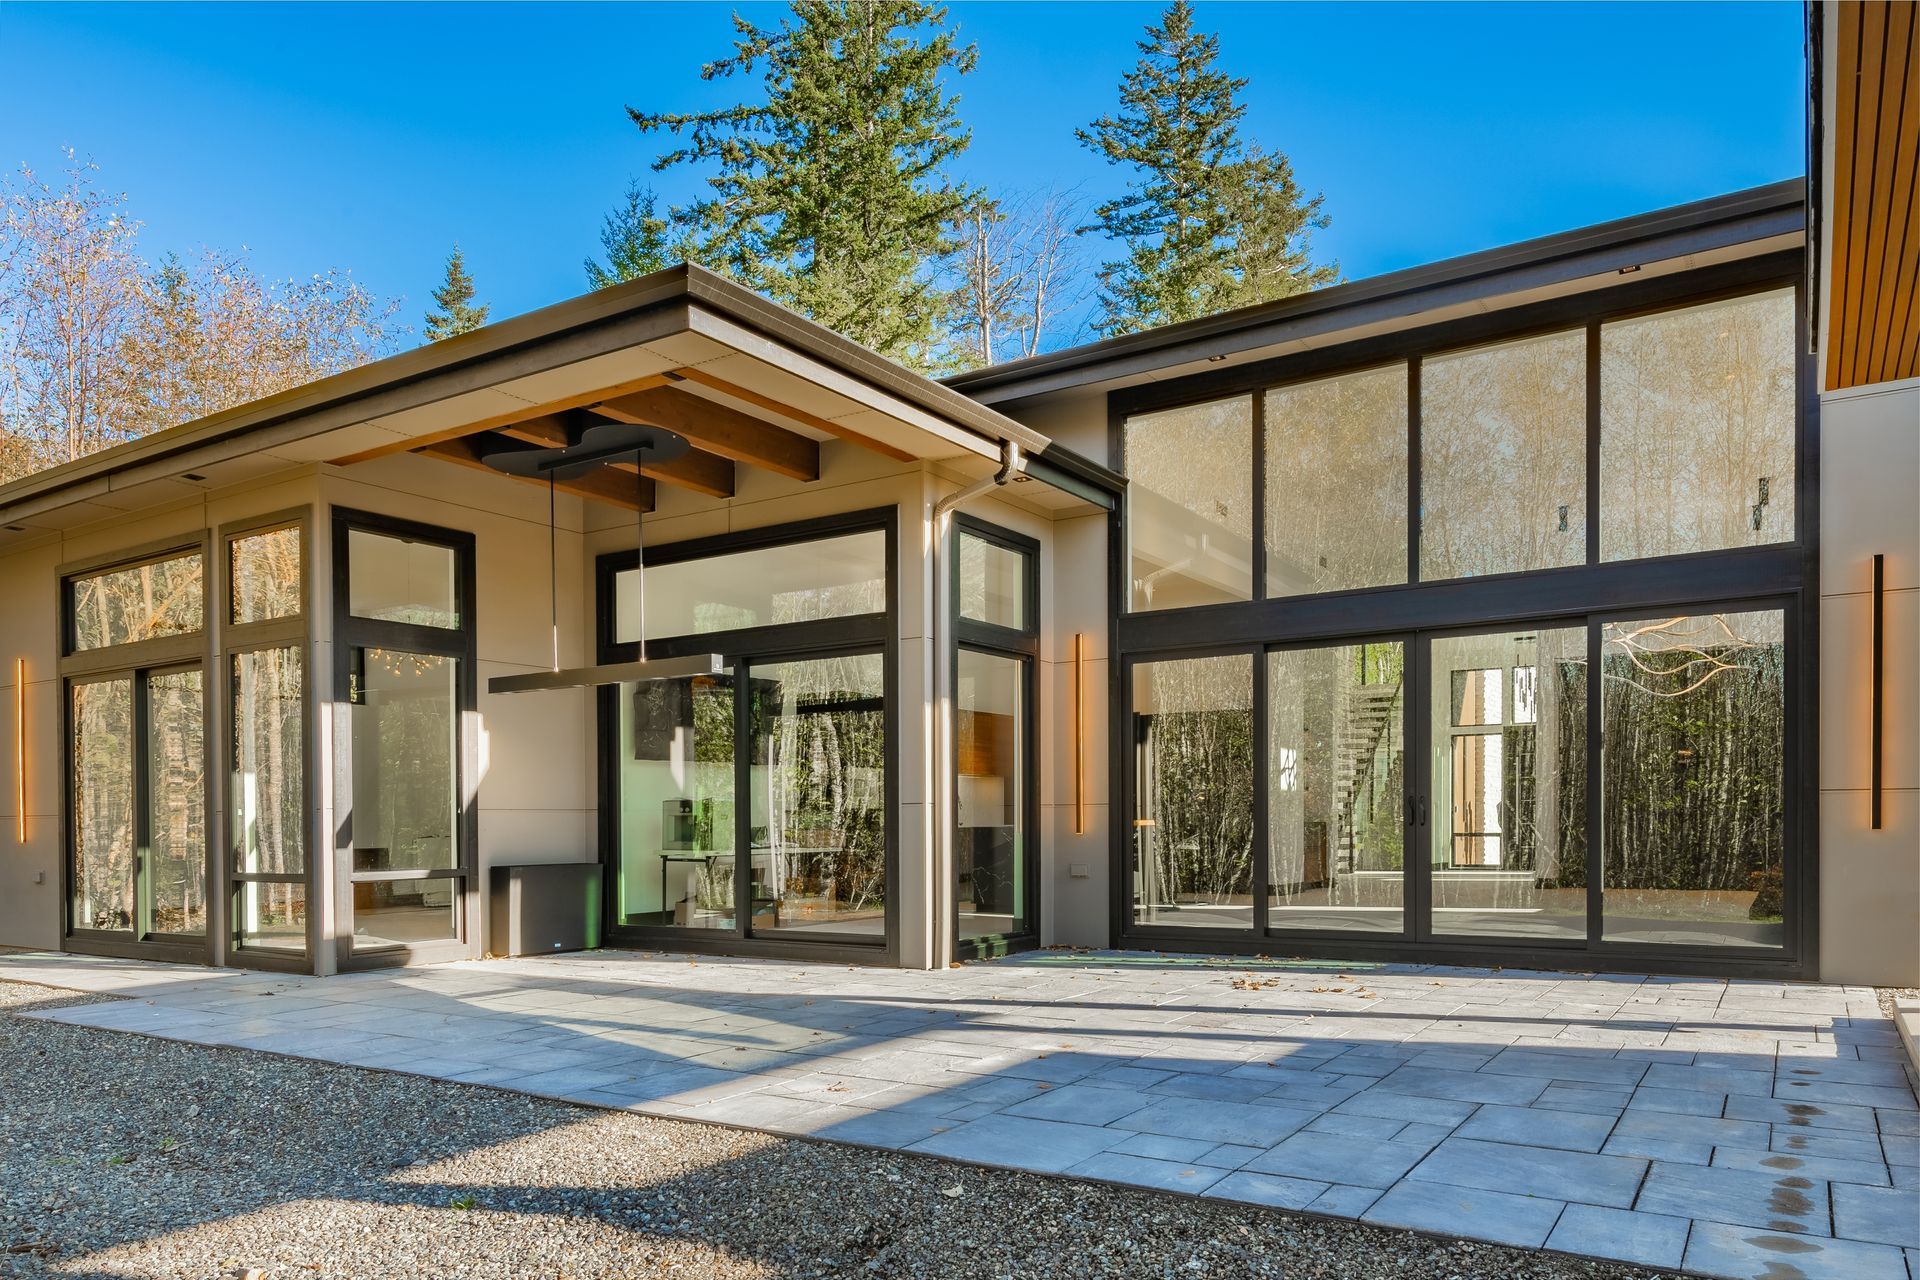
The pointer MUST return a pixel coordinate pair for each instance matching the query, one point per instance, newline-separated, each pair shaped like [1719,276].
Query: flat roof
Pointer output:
[1740,223]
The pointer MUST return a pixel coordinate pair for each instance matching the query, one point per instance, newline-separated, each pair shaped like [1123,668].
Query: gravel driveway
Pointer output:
[127,1156]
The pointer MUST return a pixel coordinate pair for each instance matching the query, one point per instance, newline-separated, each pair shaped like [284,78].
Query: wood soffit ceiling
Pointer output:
[1873,324]
[688,401]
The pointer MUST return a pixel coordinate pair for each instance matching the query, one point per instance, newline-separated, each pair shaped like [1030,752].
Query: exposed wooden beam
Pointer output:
[499,420]
[800,416]
[697,470]
[615,486]
[719,429]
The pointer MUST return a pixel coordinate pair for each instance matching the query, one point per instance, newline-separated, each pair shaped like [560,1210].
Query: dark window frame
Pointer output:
[1021,644]
[237,639]
[134,661]
[351,632]
[1778,575]
[744,649]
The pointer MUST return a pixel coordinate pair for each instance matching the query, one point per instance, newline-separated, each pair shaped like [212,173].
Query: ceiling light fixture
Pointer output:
[599,442]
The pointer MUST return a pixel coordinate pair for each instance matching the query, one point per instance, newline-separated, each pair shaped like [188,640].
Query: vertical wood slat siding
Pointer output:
[1874,318]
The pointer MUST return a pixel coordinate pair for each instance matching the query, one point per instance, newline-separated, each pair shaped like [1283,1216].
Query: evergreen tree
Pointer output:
[454,297]
[1209,221]
[829,192]
[634,239]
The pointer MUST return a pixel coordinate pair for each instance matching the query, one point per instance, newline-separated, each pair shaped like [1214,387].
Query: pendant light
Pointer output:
[600,441]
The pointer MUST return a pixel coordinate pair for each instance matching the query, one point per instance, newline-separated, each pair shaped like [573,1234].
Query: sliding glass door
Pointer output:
[1470,788]
[138,785]
[751,809]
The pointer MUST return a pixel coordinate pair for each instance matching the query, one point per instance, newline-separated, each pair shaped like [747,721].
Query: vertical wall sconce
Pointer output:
[1079,733]
[1875,711]
[20,750]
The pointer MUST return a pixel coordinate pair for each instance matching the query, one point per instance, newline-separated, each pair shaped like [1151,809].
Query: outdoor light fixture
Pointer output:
[1079,733]
[1875,724]
[20,750]
[600,442]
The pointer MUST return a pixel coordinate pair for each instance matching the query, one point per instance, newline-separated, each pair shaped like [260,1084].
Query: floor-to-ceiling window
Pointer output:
[996,641]
[751,809]
[136,740]
[403,640]
[1514,663]
[268,796]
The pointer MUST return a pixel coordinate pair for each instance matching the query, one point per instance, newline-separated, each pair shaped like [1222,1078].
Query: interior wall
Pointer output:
[30,872]
[1869,504]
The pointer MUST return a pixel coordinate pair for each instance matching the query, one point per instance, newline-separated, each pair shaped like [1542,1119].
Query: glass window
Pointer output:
[392,579]
[1190,505]
[1692,778]
[1697,428]
[1337,483]
[144,602]
[271,915]
[266,576]
[1336,761]
[405,729]
[399,913]
[1503,458]
[836,577]
[993,583]
[269,763]
[674,748]
[103,805]
[1193,792]
[990,758]
[819,856]
[1509,804]
[176,766]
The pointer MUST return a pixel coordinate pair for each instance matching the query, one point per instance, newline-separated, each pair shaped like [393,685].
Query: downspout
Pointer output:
[943,783]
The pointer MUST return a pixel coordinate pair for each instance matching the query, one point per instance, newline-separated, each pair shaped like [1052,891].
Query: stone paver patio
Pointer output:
[1727,1128]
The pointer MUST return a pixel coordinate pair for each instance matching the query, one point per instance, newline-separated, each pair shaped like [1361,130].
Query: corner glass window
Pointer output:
[838,577]
[1503,458]
[1190,505]
[1697,428]
[393,579]
[141,602]
[268,788]
[266,576]
[993,583]
[1337,483]
[1692,785]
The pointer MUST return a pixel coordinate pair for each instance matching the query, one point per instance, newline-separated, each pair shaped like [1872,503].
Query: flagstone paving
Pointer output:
[1728,1128]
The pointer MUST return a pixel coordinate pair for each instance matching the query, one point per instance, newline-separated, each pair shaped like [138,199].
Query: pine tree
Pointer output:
[1209,221]
[454,297]
[829,192]
[634,239]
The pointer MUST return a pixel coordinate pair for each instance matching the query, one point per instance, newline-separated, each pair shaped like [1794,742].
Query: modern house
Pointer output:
[1554,606]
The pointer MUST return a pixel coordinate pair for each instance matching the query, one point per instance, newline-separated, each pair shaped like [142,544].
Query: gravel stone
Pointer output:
[122,1155]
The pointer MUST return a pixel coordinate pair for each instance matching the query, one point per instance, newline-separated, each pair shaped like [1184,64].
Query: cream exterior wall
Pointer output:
[1076,868]
[1869,503]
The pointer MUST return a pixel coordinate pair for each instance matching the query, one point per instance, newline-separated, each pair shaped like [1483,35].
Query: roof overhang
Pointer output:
[1744,224]
[714,349]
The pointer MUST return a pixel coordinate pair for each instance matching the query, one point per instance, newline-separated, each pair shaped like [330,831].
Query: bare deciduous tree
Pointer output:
[1015,275]
[98,347]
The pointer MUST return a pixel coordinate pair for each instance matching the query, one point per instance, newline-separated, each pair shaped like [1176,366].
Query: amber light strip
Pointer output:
[20,750]
[1079,733]
[1876,725]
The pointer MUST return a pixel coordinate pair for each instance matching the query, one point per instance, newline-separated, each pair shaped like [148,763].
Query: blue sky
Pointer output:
[374,137]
